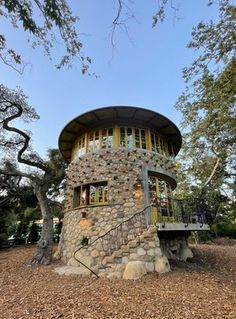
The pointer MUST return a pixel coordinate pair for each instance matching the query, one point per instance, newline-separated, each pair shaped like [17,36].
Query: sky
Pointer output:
[144,68]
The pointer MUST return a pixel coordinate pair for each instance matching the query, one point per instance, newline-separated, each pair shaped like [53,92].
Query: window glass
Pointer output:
[110,138]
[129,137]
[122,137]
[153,142]
[152,188]
[137,140]
[90,194]
[170,150]
[105,190]
[161,146]
[91,142]
[76,198]
[104,138]
[96,142]
[162,189]
[160,192]
[81,146]
[84,195]
[143,139]
[100,194]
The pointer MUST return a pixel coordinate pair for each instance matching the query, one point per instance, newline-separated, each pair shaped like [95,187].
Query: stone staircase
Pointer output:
[144,248]
[130,241]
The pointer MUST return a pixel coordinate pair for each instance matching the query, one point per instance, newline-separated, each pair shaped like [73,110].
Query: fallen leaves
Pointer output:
[204,288]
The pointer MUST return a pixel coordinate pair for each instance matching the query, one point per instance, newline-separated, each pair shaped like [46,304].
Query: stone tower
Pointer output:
[118,201]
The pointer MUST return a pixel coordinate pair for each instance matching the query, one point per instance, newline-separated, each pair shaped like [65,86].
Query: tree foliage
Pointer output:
[215,41]
[44,21]
[208,106]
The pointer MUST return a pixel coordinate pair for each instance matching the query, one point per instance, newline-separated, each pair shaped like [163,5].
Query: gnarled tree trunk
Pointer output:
[43,254]
[46,174]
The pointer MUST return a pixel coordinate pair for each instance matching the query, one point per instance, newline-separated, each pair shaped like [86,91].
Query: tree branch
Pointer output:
[17,173]
[211,176]
[20,71]
[26,137]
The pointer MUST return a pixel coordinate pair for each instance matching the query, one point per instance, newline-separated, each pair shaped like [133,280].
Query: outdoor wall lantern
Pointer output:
[138,191]
[84,223]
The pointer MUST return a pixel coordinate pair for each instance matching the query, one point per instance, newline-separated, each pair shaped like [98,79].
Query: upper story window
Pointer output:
[80,148]
[100,139]
[156,143]
[90,194]
[133,138]
[125,137]
[171,151]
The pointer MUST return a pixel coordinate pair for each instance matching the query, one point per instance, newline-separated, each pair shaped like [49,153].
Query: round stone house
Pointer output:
[119,188]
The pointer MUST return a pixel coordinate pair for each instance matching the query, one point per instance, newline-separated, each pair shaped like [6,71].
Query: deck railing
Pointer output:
[173,210]
[168,210]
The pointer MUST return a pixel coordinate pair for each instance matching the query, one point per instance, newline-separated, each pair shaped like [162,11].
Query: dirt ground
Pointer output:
[203,288]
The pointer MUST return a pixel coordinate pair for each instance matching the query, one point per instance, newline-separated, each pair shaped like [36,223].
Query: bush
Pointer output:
[34,234]
[224,229]
[3,239]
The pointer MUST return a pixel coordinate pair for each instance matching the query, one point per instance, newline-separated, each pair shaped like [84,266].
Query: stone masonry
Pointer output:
[120,168]
[144,248]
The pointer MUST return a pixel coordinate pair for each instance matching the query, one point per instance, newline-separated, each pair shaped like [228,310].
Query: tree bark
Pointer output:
[43,254]
[210,177]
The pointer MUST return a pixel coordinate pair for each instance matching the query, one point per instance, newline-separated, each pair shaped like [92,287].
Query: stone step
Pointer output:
[119,256]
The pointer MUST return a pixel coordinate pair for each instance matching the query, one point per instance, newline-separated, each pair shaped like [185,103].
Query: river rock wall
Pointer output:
[121,169]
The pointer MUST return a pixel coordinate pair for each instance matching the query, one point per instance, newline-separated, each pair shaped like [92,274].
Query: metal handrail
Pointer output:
[111,241]
[112,230]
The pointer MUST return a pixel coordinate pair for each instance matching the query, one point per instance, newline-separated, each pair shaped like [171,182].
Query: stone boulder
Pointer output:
[161,264]
[134,270]
[72,262]
[186,253]
[70,270]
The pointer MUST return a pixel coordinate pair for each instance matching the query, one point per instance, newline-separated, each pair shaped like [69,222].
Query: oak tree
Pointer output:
[45,176]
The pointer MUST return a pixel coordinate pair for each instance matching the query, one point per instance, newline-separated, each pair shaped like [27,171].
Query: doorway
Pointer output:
[160,193]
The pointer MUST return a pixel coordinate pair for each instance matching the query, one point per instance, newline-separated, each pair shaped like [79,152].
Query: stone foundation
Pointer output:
[144,248]
[174,245]
[146,253]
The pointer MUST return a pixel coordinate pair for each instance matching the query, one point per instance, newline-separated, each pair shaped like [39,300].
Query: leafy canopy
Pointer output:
[208,106]
[44,21]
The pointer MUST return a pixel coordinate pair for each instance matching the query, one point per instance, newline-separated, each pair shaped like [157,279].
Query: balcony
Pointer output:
[180,214]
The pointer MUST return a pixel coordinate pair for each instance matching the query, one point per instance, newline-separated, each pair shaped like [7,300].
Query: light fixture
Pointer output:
[84,223]
[138,190]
